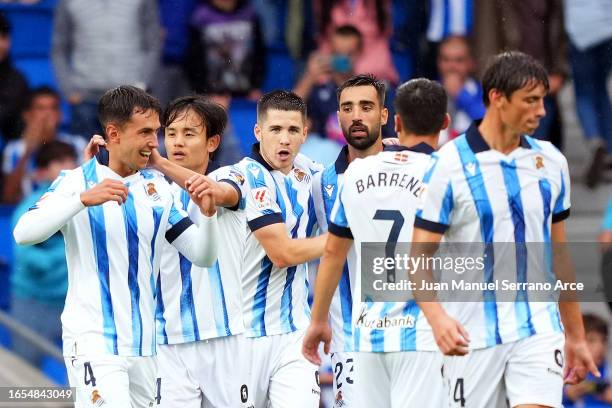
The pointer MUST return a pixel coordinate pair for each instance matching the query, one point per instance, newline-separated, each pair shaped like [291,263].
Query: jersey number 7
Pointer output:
[398,221]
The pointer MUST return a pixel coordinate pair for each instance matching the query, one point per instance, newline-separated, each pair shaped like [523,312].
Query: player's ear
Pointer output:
[447,121]
[397,124]
[384,116]
[112,133]
[257,131]
[212,143]
[495,97]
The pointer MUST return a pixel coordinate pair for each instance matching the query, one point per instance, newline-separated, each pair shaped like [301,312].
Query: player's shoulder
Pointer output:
[306,163]
[547,149]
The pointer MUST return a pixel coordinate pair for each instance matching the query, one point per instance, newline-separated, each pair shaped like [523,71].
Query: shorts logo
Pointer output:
[244,393]
[339,401]
[262,198]
[96,399]
[559,358]
[152,192]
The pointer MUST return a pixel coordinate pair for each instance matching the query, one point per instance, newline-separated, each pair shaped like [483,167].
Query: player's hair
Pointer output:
[349,30]
[511,71]
[212,115]
[364,80]
[38,92]
[117,105]
[280,100]
[5,26]
[54,150]
[421,106]
[594,323]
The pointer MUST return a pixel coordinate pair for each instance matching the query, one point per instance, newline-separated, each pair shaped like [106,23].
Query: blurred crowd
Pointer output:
[222,48]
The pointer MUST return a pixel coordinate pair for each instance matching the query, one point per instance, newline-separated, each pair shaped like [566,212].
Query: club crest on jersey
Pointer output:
[262,198]
[539,162]
[401,157]
[300,175]
[152,192]
[471,168]
[329,189]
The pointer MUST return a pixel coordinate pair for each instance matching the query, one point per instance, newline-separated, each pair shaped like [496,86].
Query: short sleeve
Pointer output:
[262,208]
[235,178]
[178,221]
[562,203]
[339,224]
[436,200]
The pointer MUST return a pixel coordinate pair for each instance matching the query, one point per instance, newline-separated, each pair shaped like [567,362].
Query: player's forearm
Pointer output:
[304,250]
[176,173]
[328,277]
[40,223]
[226,195]
[199,243]
[571,317]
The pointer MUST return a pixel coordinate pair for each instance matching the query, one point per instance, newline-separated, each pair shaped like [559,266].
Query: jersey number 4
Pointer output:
[398,221]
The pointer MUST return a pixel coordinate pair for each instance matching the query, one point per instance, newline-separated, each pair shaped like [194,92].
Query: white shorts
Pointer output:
[112,381]
[281,374]
[207,373]
[343,371]
[398,379]
[528,371]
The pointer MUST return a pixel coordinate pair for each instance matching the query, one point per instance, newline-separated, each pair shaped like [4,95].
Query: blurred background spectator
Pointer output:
[593,392]
[226,54]
[590,31]
[40,277]
[41,117]
[99,45]
[456,69]
[13,86]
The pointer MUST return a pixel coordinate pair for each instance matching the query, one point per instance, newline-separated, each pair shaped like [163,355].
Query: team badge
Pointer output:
[262,198]
[329,189]
[152,192]
[539,162]
[300,175]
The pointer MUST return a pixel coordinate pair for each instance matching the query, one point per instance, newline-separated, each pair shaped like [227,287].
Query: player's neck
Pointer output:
[409,139]
[120,168]
[354,153]
[498,136]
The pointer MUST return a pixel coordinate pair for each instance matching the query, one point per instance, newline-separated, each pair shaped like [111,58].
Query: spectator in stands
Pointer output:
[372,19]
[226,49]
[456,68]
[41,116]
[40,276]
[325,71]
[590,34]
[592,392]
[99,45]
[13,86]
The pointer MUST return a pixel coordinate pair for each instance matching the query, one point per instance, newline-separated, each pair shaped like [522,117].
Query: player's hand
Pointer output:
[316,333]
[450,335]
[154,159]
[107,190]
[93,147]
[578,361]
[390,141]
[201,193]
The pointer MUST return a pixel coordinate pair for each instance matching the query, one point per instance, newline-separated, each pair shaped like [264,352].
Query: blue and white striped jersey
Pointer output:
[476,194]
[325,187]
[449,17]
[378,199]
[113,254]
[276,299]
[196,303]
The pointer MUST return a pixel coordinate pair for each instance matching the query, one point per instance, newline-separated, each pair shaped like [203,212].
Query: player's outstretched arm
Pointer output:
[578,359]
[55,209]
[450,335]
[328,276]
[224,194]
[284,251]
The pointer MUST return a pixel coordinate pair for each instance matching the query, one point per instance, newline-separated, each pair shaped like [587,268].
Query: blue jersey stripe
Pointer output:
[408,334]
[286,309]
[187,308]
[258,325]
[98,237]
[312,216]
[346,306]
[553,310]
[377,336]
[159,313]
[447,205]
[469,16]
[473,175]
[446,29]
[515,203]
[157,212]
[561,198]
[131,230]
[219,305]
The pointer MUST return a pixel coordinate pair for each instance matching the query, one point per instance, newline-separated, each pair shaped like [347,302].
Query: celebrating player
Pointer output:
[495,184]
[199,315]
[116,220]
[362,115]
[397,364]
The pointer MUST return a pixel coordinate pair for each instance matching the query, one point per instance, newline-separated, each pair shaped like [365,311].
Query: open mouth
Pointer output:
[284,154]
[145,154]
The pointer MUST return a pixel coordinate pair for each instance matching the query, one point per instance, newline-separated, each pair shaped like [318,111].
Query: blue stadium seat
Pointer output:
[55,370]
[280,70]
[38,71]
[32,28]
[242,116]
